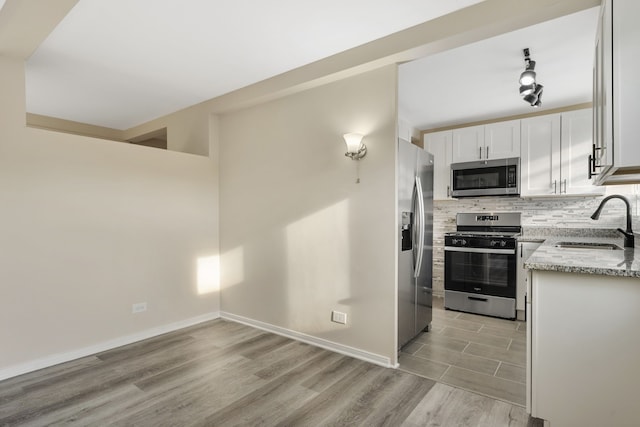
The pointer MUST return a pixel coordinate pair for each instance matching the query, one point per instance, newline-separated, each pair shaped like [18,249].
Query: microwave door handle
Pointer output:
[421,232]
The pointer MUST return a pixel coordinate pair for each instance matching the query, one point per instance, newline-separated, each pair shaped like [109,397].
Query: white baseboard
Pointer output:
[58,358]
[309,339]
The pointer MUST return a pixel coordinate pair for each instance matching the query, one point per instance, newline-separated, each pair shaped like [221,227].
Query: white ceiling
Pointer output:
[479,81]
[120,63]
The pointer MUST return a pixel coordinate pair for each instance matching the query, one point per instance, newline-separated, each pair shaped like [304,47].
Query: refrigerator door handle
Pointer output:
[415,227]
[419,242]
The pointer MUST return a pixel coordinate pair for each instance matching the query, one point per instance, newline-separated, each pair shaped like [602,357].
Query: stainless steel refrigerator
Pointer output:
[415,249]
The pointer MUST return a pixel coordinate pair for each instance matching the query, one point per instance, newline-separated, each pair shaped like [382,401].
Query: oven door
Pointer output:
[481,271]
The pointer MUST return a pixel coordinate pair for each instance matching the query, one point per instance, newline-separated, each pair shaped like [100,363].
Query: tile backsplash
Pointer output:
[551,212]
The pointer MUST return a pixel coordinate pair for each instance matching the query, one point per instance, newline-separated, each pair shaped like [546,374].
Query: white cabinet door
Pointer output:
[502,140]
[616,105]
[576,144]
[525,249]
[493,141]
[439,144]
[468,144]
[603,90]
[585,349]
[540,155]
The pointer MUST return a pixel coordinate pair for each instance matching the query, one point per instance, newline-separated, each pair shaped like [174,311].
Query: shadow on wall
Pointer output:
[318,266]
[312,259]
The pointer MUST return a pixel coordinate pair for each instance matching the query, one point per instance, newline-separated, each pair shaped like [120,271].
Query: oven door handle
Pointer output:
[419,243]
[481,250]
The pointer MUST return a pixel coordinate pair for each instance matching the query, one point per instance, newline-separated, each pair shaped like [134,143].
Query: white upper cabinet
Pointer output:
[540,155]
[493,141]
[502,140]
[555,153]
[439,144]
[468,144]
[615,99]
[576,145]
[602,91]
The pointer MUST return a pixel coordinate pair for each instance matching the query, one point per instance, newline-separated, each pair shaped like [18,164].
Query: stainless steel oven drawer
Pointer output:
[480,304]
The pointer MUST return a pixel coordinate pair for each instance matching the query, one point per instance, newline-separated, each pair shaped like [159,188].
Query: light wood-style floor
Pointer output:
[481,354]
[222,373]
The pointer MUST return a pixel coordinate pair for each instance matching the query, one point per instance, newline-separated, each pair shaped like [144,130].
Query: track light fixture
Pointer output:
[530,90]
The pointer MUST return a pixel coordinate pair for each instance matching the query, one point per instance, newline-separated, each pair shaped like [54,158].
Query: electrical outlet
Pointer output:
[339,317]
[139,307]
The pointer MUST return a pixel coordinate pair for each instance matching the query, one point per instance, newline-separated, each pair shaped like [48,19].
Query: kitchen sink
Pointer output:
[587,245]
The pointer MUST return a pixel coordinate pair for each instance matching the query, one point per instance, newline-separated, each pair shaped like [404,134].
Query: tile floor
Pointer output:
[481,354]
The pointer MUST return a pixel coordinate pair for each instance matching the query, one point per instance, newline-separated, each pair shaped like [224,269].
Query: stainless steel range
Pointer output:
[480,261]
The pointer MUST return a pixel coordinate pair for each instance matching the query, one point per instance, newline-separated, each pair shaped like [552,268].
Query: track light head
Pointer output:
[528,89]
[531,98]
[538,102]
[534,98]
[528,76]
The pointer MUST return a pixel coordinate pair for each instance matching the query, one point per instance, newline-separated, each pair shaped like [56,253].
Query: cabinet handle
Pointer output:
[555,186]
[486,152]
[448,191]
[565,186]
[593,159]
[520,250]
[481,153]
[592,167]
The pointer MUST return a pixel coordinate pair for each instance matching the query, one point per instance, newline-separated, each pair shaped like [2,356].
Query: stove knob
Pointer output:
[454,241]
[494,242]
[464,242]
[503,243]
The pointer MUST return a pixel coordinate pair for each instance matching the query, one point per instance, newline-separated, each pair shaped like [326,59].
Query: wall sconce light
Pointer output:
[355,148]
[530,90]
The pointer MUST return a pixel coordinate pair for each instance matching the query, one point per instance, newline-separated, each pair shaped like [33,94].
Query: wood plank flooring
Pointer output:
[477,353]
[222,373]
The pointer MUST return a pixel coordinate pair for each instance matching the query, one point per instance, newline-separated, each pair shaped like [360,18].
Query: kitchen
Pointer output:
[260,281]
[556,200]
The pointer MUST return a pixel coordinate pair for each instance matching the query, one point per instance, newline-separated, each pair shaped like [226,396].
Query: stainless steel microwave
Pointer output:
[499,177]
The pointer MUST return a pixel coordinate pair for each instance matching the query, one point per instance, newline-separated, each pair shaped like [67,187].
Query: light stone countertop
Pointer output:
[606,262]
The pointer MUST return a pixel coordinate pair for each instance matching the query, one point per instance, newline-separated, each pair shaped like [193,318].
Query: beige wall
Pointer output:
[89,227]
[187,130]
[299,237]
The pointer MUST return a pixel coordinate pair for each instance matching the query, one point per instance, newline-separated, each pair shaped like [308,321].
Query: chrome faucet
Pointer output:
[629,238]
